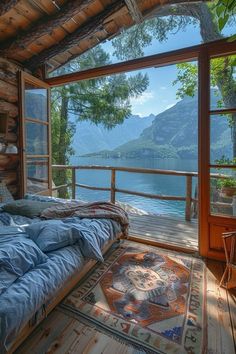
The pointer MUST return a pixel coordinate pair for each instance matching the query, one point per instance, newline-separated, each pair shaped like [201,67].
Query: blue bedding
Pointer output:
[30,292]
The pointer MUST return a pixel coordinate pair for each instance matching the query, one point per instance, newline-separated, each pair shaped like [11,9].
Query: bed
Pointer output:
[51,273]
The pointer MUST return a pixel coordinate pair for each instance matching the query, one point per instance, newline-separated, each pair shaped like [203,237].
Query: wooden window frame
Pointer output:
[25,77]
[202,54]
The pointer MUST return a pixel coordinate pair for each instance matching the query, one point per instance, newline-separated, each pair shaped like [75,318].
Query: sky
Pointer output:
[161,94]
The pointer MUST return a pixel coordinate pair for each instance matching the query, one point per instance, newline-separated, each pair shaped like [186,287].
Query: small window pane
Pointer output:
[37,175]
[36,139]
[221,139]
[223,192]
[35,102]
[223,82]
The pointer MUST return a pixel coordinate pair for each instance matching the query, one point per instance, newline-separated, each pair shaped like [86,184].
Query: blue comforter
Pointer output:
[29,293]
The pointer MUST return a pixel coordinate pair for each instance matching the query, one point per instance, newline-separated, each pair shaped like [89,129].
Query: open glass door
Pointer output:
[220,157]
[35,135]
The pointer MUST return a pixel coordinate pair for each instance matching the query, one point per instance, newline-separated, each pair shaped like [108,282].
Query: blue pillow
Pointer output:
[17,256]
[51,234]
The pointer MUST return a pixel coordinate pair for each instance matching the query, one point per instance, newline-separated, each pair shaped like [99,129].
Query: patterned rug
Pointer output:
[148,297]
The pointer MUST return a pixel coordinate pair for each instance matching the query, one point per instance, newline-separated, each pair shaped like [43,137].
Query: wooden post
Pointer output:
[113,186]
[188,198]
[73,182]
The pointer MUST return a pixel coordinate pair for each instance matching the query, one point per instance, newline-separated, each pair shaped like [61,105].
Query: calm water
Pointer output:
[154,184]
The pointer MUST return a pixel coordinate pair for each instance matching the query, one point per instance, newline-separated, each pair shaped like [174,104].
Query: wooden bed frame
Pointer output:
[59,296]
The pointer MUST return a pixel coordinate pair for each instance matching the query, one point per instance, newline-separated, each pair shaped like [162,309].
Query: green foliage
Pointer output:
[131,43]
[223,10]
[188,77]
[223,72]
[105,100]
[226,183]
[226,161]
[229,181]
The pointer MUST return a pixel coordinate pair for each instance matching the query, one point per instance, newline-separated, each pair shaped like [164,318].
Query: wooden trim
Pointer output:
[29,156]
[222,111]
[203,149]
[113,186]
[215,48]
[128,169]
[59,296]
[92,188]
[21,89]
[188,198]
[61,186]
[152,196]
[223,166]
[134,10]
[27,78]
[38,121]
[34,80]
[222,220]
[157,60]
[49,140]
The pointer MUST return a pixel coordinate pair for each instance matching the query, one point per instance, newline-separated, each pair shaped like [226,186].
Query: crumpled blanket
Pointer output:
[95,210]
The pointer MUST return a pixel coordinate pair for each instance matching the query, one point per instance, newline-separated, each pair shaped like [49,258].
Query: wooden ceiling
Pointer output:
[35,32]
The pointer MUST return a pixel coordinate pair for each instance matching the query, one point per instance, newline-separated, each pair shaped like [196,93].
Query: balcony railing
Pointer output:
[189,200]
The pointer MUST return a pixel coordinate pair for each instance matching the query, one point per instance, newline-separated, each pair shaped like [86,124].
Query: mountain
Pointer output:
[174,133]
[91,138]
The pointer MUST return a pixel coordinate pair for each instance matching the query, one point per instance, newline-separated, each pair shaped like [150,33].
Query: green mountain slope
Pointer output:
[174,133]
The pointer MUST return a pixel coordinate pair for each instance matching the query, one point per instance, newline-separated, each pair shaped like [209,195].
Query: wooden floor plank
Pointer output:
[232,309]
[165,229]
[220,335]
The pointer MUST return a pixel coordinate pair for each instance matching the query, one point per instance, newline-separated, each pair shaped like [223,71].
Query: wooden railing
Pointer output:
[188,198]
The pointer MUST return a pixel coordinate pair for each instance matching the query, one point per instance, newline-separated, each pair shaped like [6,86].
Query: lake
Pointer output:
[154,184]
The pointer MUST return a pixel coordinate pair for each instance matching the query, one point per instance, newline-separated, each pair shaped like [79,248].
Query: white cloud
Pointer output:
[142,99]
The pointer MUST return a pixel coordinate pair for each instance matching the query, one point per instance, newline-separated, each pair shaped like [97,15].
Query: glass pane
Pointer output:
[37,175]
[222,141]
[35,102]
[223,192]
[223,82]
[157,34]
[36,139]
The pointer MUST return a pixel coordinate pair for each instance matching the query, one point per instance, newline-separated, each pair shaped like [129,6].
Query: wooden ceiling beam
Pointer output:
[134,10]
[87,29]
[6,5]
[43,26]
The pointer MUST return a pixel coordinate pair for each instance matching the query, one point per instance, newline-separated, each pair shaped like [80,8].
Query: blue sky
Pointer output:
[161,94]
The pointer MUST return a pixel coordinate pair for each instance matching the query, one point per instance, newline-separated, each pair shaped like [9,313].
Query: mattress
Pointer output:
[26,299]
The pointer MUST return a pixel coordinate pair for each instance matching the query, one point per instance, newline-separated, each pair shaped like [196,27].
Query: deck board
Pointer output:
[167,230]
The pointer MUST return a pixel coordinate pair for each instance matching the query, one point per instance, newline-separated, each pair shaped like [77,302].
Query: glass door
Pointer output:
[220,155]
[35,128]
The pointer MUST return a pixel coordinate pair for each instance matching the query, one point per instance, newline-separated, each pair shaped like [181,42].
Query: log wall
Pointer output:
[9,163]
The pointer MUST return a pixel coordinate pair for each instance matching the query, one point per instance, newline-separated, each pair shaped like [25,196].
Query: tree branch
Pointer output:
[6,5]
[134,11]
[196,10]
[72,39]
[44,26]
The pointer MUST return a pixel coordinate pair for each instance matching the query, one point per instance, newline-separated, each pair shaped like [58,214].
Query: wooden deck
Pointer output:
[61,334]
[165,230]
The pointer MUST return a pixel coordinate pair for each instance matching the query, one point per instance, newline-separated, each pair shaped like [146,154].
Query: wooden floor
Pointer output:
[62,334]
[165,230]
